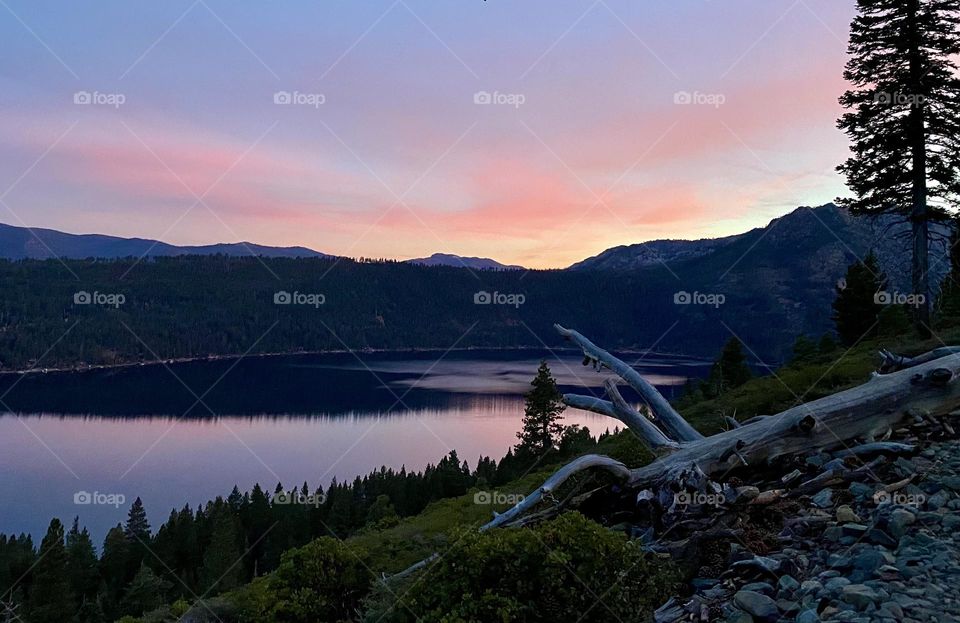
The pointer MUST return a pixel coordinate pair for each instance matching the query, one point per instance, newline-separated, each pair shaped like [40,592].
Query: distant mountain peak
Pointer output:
[476,263]
[667,251]
[17,243]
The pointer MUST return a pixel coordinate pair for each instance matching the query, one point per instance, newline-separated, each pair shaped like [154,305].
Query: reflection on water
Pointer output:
[276,419]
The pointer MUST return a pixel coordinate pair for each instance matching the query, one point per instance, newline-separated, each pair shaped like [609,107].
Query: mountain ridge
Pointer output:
[19,243]
[460,261]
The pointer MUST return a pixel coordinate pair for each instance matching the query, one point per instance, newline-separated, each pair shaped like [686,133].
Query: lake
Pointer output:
[187,432]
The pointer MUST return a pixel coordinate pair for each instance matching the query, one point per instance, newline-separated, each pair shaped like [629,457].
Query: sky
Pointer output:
[537,133]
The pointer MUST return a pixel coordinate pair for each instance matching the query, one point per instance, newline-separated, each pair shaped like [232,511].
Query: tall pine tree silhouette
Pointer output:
[904,119]
[857,307]
[51,600]
[542,414]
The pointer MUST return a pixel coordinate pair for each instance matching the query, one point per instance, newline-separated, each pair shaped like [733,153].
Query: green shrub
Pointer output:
[569,568]
[321,581]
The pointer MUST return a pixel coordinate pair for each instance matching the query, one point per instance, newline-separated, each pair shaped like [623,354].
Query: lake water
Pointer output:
[188,432]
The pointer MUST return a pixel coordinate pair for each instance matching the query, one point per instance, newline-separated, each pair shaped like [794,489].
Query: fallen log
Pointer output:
[838,421]
[841,421]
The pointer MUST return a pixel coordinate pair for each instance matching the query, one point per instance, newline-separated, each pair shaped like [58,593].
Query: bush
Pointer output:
[559,570]
[321,581]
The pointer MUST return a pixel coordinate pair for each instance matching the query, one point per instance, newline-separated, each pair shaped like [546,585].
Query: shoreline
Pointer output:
[231,357]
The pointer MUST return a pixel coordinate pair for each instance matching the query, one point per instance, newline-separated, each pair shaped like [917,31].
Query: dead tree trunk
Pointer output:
[842,421]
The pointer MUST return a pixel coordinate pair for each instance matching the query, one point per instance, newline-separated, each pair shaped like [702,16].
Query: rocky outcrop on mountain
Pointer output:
[819,242]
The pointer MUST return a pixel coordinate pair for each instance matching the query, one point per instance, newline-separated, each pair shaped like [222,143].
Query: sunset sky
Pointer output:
[386,153]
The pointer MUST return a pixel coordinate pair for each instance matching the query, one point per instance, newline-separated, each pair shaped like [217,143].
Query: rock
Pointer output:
[717,592]
[759,606]
[810,586]
[936,501]
[824,499]
[859,595]
[879,537]
[845,514]
[739,616]
[835,585]
[855,530]
[808,616]
[888,572]
[868,560]
[860,490]
[758,587]
[951,521]
[891,609]
[788,606]
[787,583]
[704,583]
[906,466]
[951,482]
[899,520]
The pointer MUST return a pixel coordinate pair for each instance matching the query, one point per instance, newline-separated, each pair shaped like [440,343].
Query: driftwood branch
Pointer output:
[586,462]
[652,436]
[848,422]
[891,362]
[671,422]
[618,409]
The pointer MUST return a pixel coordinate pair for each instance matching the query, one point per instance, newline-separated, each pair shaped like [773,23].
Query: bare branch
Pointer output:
[588,461]
[671,422]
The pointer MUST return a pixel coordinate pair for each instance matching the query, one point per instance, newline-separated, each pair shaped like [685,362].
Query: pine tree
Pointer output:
[145,592]
[50,597]
[803,349]
[949,303]
[114,563]
[730,370]
[82,563]
[261,520]
[137,528]
[827,344]
[542,414]
[856,309]
[222,567]
[137,533]
[904,119]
